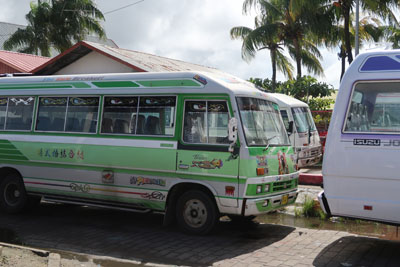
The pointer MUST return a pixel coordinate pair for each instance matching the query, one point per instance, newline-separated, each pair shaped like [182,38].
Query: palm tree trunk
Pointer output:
[342,56]
[346,14]
[298,57]
[273,62]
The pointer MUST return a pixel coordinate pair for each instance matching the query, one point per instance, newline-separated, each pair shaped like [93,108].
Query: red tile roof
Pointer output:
[21,62]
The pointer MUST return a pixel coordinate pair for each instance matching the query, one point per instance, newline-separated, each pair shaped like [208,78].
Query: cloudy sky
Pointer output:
[195,31]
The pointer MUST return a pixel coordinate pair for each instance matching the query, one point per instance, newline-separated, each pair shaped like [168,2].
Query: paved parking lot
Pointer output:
[141,237]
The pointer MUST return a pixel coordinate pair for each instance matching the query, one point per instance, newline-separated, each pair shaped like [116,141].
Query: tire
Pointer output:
[13,197]
[196,212]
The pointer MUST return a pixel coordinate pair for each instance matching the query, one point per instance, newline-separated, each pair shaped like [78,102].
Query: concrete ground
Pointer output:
[80,236]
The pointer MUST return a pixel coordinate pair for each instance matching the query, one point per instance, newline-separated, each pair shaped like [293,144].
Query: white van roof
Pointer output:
[287,101]
[375,65]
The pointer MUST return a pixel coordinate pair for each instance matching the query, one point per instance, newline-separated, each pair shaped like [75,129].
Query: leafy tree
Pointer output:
[56,23]
[264,36]
[306,89]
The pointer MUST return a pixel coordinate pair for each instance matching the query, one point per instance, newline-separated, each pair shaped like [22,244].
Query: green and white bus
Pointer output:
[190,145]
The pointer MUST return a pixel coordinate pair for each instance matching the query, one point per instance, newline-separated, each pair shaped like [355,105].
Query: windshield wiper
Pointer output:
[269,139]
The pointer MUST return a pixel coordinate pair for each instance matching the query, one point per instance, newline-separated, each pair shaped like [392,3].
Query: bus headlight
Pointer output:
[266,188]
[259,189]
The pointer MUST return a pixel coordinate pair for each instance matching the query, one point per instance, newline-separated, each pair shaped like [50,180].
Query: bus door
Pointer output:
[203,149]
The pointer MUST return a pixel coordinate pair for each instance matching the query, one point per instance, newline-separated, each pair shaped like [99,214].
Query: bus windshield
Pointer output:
[261,122]
[303,120]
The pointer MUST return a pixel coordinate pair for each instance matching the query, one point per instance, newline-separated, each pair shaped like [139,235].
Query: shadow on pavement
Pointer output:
[134,236]
[359,251]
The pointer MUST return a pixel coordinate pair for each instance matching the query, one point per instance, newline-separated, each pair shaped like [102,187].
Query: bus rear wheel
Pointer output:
[13,197]
[196,212]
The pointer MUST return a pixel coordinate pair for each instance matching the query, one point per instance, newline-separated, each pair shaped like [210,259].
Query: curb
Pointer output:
[310,179]
[54,259]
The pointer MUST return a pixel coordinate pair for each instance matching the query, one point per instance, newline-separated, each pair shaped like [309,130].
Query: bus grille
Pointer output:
[284,185]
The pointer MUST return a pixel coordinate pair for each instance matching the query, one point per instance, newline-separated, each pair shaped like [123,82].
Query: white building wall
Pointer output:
[95,62]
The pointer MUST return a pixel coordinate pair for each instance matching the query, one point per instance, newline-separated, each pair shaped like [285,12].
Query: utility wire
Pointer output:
[123,7]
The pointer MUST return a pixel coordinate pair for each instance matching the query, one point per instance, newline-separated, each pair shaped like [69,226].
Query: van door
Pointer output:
[203,154]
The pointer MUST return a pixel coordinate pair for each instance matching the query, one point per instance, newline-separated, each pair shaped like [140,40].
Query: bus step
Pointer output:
[94,204]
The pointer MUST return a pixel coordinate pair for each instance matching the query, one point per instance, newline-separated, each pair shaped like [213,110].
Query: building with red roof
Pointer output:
[13,62]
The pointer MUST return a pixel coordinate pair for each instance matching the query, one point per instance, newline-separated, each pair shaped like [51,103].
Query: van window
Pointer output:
[285,118]
[303,119]
[206,122]
[158,115]
[51,114]
[3,111]
[67,114]
[19,113]
[82,114]
[377,110]
[119,115]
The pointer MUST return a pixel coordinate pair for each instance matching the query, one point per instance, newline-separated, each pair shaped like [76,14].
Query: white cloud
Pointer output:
[195,31]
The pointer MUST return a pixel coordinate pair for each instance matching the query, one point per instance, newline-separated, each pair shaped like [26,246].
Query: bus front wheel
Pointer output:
[196,212]
[13,196]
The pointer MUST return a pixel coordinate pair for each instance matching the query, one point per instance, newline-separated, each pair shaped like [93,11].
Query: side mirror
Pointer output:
[232,133]
[290,128]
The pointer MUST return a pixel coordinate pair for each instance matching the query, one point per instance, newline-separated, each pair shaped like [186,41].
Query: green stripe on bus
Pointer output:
[10,151]
[6,146]
[166,145]
[45,85]
[110,185]
[145,203]
[121,84]
[168,83]
[12,157]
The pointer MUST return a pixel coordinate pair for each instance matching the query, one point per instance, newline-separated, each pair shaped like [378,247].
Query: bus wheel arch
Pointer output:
[192,196]
[13,196]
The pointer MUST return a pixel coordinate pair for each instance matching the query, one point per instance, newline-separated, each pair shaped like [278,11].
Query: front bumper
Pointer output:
[256,206]
[308,161]
[323,202]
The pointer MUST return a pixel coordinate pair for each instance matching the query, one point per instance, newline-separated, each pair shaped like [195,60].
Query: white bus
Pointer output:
[303,136]
[189,145]
[361,160]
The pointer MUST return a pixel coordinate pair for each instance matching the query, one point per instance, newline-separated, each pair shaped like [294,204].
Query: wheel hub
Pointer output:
[12,194]
[195,213]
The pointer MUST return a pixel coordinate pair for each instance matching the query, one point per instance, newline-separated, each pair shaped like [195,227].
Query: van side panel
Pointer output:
[360,167]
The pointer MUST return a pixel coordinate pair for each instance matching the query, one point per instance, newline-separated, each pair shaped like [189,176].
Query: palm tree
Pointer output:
[382,8]
[300,22]
[34,38]
[370,29]
[73,21]
[264,36]
[56,23]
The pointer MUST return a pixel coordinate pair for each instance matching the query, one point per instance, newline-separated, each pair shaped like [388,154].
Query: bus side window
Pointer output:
[82,113]
[285,118]
[119,114]
[213,131]
[156,115]
[3,110]
[67,114]
[19,113]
